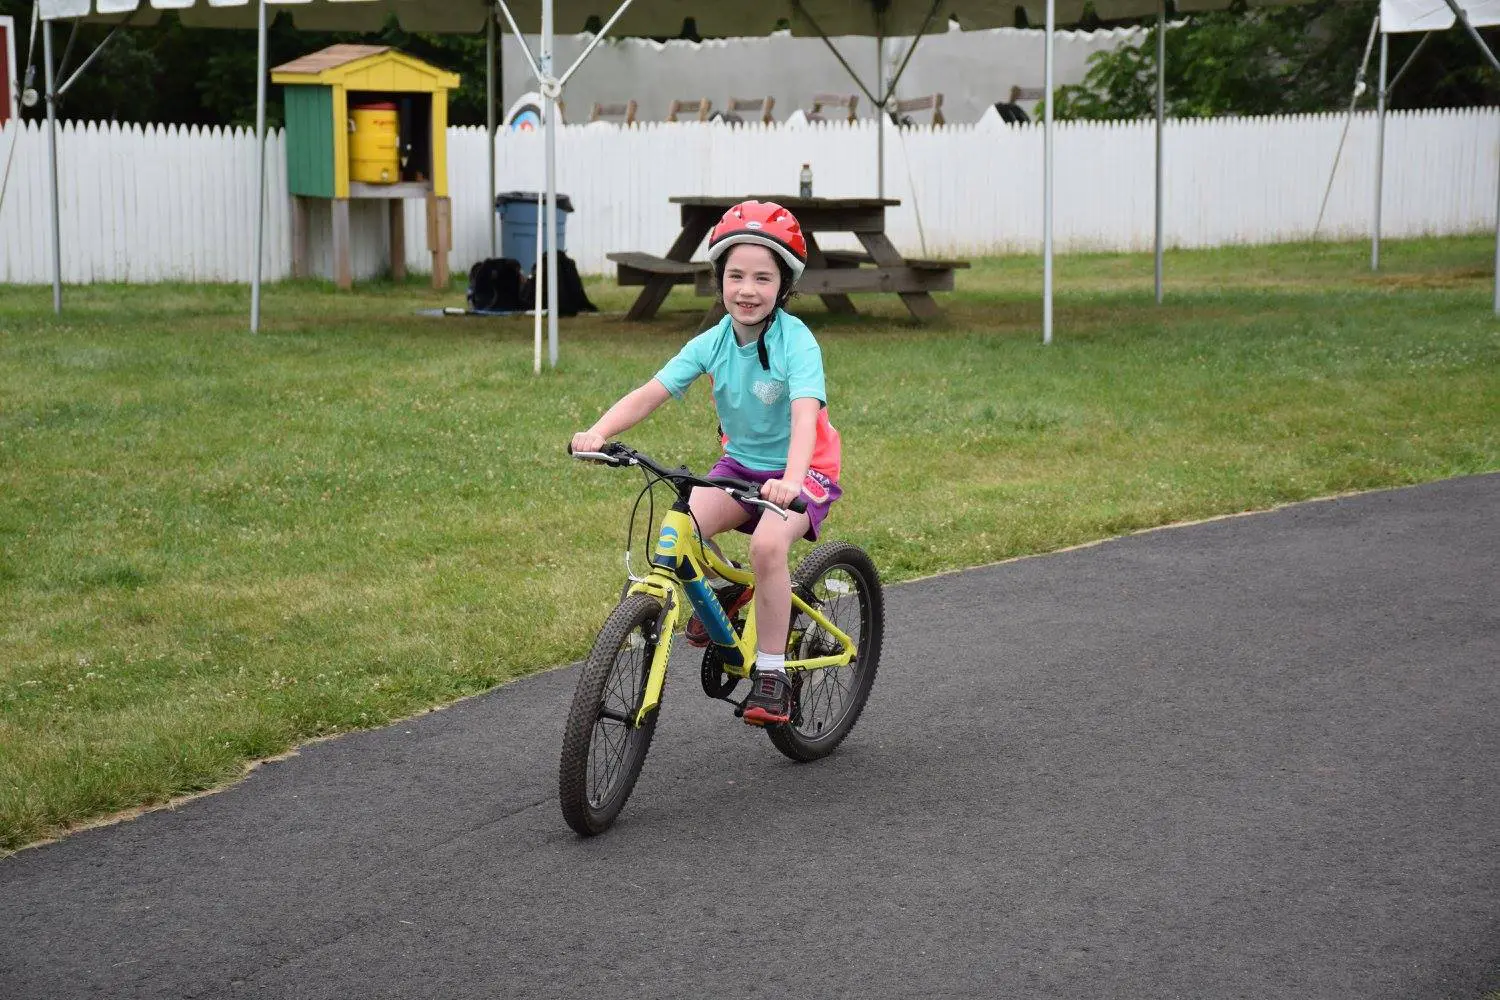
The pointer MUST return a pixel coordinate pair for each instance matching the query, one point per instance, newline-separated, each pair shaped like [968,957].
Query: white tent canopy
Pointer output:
[644,17]
[1404,16]
[432,16]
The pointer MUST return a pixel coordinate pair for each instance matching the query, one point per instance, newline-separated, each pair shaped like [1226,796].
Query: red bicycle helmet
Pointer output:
[766,224]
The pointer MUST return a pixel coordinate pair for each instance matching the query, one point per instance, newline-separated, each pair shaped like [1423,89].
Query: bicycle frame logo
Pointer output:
[678,559]
[666,547]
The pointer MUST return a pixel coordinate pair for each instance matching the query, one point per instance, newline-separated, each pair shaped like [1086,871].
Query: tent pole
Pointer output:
[1047,183]
[562,81]
[489,119]
[880,117]
[1409,60]
[912,48]
[515,30]
[875,102]
[260,168]
[887,90]
[1359,89]
[1380,95]
[1161,111]
[24,81]
[549,92]
[548,86]
[1463,19]
[52,167]
[536,294]
[1479,40]
[63,89]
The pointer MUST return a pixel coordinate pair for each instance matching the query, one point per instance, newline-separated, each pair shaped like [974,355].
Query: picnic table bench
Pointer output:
[832,275]
[639,268]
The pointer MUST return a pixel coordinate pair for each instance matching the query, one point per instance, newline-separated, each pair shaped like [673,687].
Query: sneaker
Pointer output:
[732,598]
[770,701]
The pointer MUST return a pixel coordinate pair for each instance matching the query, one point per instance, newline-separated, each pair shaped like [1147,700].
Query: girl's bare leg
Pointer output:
[714,511]
[769,547]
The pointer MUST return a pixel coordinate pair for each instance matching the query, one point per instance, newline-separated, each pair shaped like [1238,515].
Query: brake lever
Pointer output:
[779,511]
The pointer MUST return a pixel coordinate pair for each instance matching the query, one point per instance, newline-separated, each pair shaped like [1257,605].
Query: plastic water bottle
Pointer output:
[805,187]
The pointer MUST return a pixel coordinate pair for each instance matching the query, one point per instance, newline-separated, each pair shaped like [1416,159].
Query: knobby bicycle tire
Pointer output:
[614,673]
[810,735]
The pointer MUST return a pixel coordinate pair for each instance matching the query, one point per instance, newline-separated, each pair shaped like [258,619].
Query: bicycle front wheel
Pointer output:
[840,580]
[603,752]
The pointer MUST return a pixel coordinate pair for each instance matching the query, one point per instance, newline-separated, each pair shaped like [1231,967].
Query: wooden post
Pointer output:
[696,222]
[840,304]
[398,238]
[439,237]
[919,304]
[299,237]
[343,272]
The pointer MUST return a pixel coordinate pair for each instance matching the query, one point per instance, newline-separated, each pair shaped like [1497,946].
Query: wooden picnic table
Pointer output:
[832,275]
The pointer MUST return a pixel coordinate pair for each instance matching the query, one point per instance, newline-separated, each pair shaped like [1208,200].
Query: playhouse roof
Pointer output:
[339,63]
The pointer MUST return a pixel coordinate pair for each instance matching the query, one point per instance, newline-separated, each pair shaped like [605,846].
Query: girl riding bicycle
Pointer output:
[766,371]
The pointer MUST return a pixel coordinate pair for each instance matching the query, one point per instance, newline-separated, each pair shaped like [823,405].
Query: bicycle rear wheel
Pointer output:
[602,752]
[841,581]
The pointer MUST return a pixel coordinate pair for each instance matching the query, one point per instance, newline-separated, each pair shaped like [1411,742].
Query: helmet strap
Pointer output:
[782,294]
[760,341]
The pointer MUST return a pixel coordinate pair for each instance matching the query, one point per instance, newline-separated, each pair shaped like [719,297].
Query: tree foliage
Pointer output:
[1266,61]
[206,76]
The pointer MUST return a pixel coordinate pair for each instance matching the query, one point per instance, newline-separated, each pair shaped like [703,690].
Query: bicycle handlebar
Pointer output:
[618,455]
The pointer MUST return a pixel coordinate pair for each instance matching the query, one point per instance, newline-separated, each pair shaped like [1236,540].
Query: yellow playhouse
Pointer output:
[367,121]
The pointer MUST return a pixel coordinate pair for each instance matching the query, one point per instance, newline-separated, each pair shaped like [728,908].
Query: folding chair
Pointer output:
[846,102]
[624,113]
[901,115]
[755,107]
[701,106]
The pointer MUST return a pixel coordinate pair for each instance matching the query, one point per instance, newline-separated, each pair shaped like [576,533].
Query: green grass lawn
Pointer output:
[215,545]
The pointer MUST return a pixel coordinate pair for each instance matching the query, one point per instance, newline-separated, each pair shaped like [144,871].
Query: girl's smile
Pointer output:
[751,284]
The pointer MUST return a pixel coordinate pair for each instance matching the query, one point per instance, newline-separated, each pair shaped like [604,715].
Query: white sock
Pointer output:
[770,662]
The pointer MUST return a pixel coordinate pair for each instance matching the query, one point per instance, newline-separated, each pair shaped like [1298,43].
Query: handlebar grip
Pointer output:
[798,505]
[611,449]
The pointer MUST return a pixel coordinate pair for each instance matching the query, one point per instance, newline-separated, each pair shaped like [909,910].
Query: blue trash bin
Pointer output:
[518,218]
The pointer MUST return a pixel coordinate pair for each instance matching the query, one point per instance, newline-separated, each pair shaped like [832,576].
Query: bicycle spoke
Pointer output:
[610,742]
[608,751]
[828,693]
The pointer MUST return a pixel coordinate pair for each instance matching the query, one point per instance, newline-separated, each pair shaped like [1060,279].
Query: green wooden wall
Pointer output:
[309,140]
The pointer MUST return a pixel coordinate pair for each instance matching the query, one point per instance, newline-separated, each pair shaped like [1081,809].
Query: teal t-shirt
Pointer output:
[754,404]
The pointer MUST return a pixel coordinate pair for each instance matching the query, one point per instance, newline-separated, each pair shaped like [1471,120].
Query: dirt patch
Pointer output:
[1465,277]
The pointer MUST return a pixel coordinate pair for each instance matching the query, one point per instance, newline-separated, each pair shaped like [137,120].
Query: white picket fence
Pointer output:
[167,203]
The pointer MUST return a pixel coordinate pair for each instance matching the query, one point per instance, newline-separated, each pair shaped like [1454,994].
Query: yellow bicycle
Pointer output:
[833,648]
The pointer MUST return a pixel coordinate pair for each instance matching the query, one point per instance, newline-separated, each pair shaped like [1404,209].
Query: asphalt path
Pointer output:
[1254,757]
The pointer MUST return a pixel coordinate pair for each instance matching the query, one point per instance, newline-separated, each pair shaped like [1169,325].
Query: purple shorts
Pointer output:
[818,491]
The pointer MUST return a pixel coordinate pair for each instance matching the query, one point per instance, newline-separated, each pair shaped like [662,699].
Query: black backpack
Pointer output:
[1011,113]
[571,299]
[495,285]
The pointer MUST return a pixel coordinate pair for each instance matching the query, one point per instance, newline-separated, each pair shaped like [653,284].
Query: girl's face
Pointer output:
[751,281]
